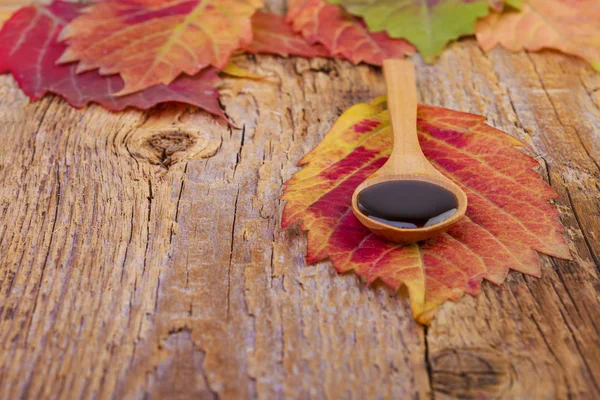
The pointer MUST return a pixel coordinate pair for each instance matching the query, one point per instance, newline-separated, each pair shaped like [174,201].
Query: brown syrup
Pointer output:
[407,204]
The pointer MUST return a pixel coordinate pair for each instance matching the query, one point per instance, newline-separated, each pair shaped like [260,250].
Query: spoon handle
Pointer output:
[402,105]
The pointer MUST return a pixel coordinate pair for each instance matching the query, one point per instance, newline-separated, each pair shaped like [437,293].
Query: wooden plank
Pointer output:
[531,338]
[142,254]
[148,278]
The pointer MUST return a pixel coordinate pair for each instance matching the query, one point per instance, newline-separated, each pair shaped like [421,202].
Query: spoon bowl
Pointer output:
[407,161]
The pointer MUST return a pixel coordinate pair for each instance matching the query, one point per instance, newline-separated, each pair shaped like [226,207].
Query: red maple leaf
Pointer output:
[509,217]
[29,49]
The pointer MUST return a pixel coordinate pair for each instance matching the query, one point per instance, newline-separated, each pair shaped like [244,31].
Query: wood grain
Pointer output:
[142,254]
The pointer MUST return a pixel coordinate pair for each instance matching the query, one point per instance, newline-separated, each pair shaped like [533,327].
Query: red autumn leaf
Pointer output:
[343,34]
[29,49]
[149,42]
[571,26]
[509,217]
[271,34]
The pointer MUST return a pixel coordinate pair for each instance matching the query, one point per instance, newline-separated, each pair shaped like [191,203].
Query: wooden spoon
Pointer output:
[407,161]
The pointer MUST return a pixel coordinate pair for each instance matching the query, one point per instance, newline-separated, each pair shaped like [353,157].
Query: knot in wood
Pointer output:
[470,373]
[166,144]
[170,145]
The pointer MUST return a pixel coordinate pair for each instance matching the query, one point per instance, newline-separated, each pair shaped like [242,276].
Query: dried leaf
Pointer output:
[29,49]
[149,42]
[429,25]
[571,26]
[271,34]
[509,217]
[343,34]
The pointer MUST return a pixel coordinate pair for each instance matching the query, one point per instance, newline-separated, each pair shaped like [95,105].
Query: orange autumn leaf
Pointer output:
[509,217]
[571,26]
[343,34]
[149,42]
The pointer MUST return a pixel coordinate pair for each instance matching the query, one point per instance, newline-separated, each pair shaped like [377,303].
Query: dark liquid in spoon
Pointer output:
[407,204]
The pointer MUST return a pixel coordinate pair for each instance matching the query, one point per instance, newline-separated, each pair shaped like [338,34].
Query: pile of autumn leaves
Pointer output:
[144,52]
[141,53]
[121,53]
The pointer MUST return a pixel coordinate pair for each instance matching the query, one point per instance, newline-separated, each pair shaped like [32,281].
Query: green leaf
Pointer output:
[428,24]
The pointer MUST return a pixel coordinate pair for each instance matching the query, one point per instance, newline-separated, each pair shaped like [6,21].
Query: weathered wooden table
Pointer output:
[142,254]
